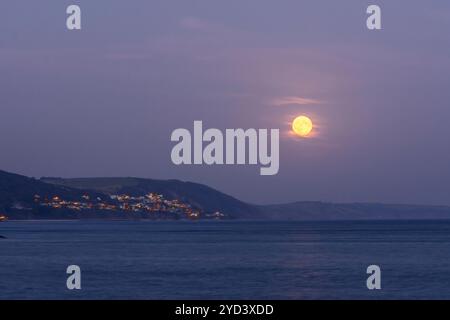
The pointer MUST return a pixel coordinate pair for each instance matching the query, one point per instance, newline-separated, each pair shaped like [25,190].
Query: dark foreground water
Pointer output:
[225,260]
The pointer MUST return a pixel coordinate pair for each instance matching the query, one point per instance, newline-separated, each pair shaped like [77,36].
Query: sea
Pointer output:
[225,259]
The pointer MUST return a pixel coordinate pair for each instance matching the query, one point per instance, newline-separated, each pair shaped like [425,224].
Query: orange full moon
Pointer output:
[302,126]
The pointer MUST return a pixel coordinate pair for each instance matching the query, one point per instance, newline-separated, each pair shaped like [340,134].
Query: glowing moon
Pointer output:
[302,126]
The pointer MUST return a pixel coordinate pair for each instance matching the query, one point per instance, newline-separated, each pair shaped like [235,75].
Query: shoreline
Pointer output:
[231,220]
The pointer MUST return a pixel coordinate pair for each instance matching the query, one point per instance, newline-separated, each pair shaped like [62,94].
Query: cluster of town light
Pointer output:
[150,203]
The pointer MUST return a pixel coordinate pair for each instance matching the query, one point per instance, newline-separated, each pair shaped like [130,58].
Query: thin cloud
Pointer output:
[295,101]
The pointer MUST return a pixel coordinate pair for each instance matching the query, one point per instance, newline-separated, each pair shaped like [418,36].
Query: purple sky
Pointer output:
[103,101]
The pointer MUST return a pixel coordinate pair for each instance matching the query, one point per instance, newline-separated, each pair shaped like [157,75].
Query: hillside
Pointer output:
[210,199]
[17,201]
[197,195]
[18,189]
[309,210]
[17,193]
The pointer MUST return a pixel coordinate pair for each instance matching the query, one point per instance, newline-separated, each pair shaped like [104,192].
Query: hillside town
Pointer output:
[150,205]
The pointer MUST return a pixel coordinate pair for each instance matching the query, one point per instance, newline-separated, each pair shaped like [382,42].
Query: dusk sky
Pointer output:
[104,100]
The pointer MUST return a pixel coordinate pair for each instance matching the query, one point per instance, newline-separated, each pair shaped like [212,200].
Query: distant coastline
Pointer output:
[127,199]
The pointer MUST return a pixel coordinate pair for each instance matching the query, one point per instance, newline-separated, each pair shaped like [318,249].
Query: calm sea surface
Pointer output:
[225,260]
